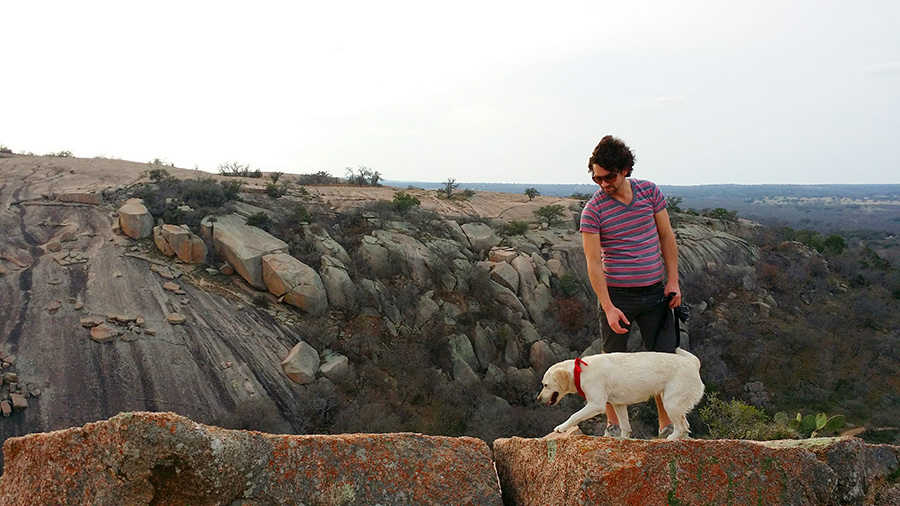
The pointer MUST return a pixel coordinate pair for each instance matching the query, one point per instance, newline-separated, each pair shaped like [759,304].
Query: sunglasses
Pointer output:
[609,178]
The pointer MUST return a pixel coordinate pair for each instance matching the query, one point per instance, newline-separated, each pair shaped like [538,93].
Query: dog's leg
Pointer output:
[680,424]
[624,424]
[589,410]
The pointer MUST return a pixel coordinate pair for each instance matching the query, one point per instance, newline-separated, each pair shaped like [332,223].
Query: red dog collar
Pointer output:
[578,363]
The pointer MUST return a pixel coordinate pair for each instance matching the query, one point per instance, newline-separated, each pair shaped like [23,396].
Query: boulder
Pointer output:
[181,242]
[302,363]
[591,470]
[535,296]
[135,220]
[299,284]
[498,254]
[339,288]
[481,237]
[143,458]
[542,357]
[376,257]
[508,298]
[242,245]
[506,275]
[461,350]
[335,367]
[485,349]
[324,244]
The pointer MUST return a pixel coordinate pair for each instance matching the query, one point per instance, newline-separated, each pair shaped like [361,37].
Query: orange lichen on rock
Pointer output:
[164,458]
[588,470]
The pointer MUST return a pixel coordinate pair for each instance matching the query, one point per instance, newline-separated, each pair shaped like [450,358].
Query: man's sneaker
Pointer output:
[612,430]
[666,431]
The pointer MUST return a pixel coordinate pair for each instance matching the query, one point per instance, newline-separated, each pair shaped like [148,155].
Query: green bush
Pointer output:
[300,214]
[735,419]
[570,285]
[531,193]
[276,190]
[550,213]
[260,220]
[403,201]
[720,213]
[515,227]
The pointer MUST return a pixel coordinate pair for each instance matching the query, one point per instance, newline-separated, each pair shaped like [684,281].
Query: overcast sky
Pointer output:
[703,91]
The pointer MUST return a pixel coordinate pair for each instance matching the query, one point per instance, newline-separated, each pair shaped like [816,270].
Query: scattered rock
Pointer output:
[150,331]
[19,402]
[165,272]
[226,269]
[78,305]
[54,306]
[170,286]
[91,321]
[5,408]
[65,258]
[103,333]
[176,318]
[53,245]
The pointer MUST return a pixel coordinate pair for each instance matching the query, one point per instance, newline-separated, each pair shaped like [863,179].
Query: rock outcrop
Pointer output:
[162,458]
[242,245]
[588,470]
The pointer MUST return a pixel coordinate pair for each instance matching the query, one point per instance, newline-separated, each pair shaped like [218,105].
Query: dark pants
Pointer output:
[648,307]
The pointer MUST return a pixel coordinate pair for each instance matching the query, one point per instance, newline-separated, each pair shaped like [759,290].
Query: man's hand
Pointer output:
[615,318]
[676,299]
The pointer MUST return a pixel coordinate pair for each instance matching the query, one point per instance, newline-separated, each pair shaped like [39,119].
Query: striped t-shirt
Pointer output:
[628,234]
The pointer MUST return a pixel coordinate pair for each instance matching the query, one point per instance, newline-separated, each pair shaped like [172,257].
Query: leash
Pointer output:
[578,363]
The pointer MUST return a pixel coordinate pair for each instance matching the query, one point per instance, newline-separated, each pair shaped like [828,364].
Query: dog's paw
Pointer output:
[560,428]
[571,431]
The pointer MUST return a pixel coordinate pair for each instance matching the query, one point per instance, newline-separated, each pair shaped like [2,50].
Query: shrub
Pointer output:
[449,185]
[319,178]
[403,201]
[5,150]
[549,213]
[363,176]
[276,190]
[231,189]
[236,169]
[61,154]
[672,204]
[570,312]
[159,175]
[299,214]
[735,419]
[570,285]
[531,193]
[260,220]
[515,227]
[720,213]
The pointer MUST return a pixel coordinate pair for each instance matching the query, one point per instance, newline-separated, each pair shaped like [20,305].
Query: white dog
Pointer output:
[627,378]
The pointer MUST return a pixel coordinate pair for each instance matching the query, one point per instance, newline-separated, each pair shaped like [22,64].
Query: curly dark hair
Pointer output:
[613,155]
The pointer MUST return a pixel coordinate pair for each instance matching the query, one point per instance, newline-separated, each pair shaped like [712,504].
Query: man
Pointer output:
[632,260]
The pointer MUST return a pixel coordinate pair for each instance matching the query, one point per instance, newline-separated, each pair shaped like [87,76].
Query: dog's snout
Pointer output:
[554,398]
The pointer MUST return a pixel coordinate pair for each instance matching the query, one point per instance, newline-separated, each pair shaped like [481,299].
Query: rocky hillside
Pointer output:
[334,309]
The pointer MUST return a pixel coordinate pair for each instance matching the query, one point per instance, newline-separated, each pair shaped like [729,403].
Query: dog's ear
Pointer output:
[564,380]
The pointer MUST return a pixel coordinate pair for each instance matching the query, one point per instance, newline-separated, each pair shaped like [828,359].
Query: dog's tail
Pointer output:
[685,353]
